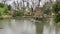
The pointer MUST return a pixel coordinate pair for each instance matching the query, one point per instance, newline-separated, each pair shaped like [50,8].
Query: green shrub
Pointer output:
[1,5]
[56,8]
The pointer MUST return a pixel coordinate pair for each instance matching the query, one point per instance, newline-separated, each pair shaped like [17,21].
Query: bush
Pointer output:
[47,11]
[1,5]
[4,10]
[56,8]
[20,14]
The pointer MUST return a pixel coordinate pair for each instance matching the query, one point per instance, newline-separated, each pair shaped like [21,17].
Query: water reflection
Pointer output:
[49,27]
[58,28]
[25,26]
[19,27]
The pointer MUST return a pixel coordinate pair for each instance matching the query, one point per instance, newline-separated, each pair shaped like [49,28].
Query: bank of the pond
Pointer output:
[31,18]
[17,17]
[5,16]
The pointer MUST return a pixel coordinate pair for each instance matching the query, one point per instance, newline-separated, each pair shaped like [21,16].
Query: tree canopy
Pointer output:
[4,9]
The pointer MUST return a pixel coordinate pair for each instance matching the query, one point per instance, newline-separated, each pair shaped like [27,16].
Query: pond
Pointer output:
[26,26]
[15,26]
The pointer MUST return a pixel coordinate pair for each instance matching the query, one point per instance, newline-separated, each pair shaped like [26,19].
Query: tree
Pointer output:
[56,11]
[16,5]
[4,9]
[1,5]
[9,7]
[39,3]
[4,1]
[47,11]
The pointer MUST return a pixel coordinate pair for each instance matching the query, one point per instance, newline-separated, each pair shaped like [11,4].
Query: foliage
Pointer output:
[9,7]
[56,8]
[57,18]
[27,14]
[1,5]
[19,14]
[47,11]
[4,9]
[1,11]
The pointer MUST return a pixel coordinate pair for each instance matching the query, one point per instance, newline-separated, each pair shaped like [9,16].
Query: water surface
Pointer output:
[26,26]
